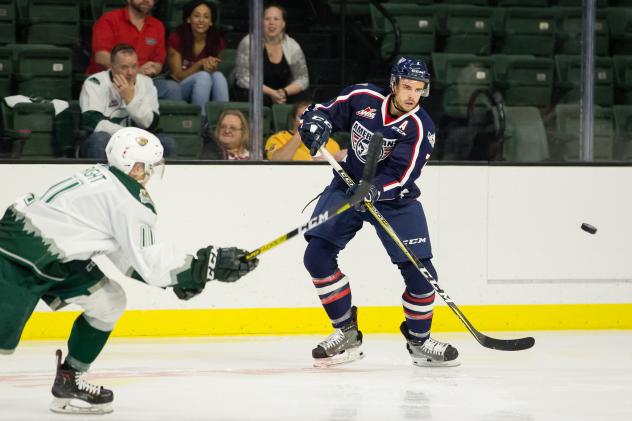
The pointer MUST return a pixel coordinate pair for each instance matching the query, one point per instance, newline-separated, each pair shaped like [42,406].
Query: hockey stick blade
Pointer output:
[506,344]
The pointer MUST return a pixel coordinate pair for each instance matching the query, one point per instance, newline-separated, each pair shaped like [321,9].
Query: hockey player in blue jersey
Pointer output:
[409,137]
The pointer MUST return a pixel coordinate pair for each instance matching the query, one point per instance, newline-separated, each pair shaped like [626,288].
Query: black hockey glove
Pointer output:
[222,264]
[230,265]
[193,283]
[371,196]
[314,130]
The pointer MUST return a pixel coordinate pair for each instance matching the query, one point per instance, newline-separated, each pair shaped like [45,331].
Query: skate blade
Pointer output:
[77,406]
[424,362]
[344,357]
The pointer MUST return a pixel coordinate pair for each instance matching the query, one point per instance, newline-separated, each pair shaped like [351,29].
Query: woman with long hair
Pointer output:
[194,47]
[285,74]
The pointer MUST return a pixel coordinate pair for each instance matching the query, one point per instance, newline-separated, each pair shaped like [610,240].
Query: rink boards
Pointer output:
[506,241]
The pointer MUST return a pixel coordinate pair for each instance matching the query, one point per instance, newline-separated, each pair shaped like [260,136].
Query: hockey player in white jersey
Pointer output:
[47,243]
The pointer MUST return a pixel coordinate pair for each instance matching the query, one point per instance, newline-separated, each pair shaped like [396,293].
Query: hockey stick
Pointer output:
[373,154]
[486,341]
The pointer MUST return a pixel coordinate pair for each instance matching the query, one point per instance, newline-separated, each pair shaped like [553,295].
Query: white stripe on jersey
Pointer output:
[346,97]
[413,162]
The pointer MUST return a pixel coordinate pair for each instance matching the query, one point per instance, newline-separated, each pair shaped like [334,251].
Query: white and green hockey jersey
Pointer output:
[98,211]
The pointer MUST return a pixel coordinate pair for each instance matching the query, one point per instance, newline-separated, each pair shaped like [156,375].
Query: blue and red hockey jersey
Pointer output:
[408,139]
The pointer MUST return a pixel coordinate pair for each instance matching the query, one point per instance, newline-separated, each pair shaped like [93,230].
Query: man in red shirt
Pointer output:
[133,25]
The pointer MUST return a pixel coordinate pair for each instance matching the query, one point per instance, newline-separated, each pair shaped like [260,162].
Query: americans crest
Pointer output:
[360,138]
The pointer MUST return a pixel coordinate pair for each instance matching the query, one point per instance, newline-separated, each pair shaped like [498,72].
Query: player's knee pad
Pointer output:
[321,257]
[415,281]
[103,307]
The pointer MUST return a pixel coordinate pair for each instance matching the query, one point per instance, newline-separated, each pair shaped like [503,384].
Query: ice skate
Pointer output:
[430,353]
[74,395]
[342,346]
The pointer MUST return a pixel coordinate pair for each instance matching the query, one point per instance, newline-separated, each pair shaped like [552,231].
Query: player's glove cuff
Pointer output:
[315,130]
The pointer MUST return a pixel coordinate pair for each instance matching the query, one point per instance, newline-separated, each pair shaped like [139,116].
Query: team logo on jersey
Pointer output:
[145,198]
[142,141]
[431,138]
[368,112]
[360,138]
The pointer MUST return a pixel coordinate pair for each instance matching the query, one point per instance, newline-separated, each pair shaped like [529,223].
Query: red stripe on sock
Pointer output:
[335,277]
[417,316]
[409,297]
[337,296]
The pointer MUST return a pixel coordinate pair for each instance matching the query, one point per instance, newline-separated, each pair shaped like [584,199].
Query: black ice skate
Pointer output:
[429,353]
[342,346]
[74,395]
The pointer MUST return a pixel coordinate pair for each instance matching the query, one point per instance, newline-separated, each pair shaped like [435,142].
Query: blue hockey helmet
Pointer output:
[411,68]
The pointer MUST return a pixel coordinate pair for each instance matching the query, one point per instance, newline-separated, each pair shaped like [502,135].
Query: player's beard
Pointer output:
[398,107]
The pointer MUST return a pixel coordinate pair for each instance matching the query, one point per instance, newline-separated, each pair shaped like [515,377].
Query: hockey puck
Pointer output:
[589,228]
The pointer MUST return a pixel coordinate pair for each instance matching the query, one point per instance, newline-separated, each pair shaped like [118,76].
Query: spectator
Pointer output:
[193,50]
[282,146]
[284,69]
[133,25]
[230,138]
[116,98]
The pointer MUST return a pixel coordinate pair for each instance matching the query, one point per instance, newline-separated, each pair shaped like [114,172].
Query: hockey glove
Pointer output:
[371,197]
[193,284]
[230,265]
[315,130]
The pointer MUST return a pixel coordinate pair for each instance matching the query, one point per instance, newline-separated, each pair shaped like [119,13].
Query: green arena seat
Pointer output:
[6,71]
[36,118]
[569,31]
[181,121]
[42,70]
[578,3]
[8,20]
[524,80]
[567,126]
[465,29]
[525,136]
[568,79]
[55,22]
[623,78]
[468,2]
[523,30]
[523,3]
[417,25]
[459,76]
[228,57]
[623,131]
[282,118]
[620,23]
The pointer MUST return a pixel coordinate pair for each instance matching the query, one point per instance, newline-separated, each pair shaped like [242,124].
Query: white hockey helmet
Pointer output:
[131,145]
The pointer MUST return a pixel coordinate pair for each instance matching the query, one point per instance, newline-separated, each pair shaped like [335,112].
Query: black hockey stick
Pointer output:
[486,341]
[373,154]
